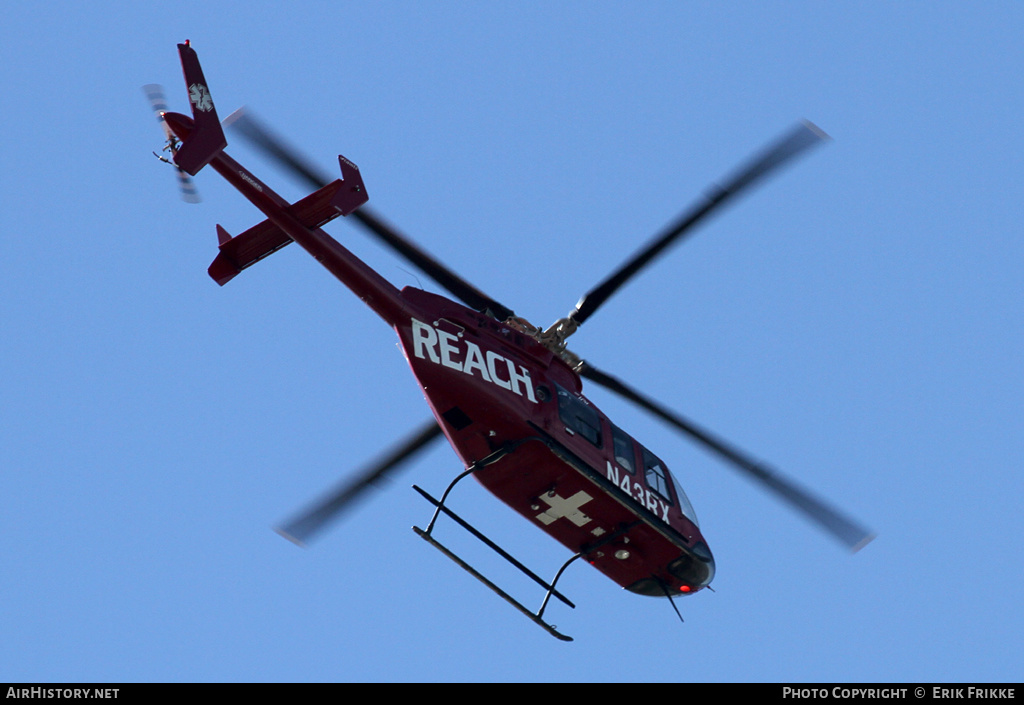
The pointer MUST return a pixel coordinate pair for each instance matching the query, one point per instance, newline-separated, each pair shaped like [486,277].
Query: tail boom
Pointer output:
[203,143]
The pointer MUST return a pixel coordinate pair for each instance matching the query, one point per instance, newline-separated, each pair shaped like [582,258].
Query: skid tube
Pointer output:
[536,617]
[427,535]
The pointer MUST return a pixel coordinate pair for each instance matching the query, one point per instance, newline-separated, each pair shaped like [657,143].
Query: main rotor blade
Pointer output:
[797,140]
[851,534]
[259,135]
[304,526]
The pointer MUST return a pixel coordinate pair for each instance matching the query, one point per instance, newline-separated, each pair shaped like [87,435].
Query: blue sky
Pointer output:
[857,322]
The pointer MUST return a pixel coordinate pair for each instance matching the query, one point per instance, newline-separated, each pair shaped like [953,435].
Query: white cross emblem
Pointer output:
[567,508]
[200,97]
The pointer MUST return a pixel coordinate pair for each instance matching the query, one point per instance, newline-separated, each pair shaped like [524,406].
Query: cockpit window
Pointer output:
[659,480]
[578,416]
[623,447]
[656,475]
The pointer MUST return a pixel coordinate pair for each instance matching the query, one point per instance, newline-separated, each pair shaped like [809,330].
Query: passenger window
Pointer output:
[579,417]
[656,475]
[623,448]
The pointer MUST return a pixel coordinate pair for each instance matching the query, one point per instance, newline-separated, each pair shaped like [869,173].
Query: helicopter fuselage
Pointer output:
[573,473]
[569,470]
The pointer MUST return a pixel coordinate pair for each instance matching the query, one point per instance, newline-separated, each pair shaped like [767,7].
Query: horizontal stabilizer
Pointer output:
[259,241]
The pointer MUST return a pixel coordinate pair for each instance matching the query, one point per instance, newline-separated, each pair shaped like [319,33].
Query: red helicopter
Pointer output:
[507,395]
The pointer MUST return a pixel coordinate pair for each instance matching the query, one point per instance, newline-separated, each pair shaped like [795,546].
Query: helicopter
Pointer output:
[507,395]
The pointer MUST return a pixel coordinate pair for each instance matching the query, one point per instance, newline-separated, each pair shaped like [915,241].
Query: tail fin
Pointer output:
[207,137]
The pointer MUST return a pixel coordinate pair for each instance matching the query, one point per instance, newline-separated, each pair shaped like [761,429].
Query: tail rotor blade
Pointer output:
[306,525]
[848,532]
[158,100]
[187,187]
[802,137]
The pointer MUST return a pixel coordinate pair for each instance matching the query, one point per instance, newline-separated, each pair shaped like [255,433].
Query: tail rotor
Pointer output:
[158,100]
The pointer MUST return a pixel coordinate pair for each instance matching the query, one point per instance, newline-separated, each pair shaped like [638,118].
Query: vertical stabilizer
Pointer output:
[207,137]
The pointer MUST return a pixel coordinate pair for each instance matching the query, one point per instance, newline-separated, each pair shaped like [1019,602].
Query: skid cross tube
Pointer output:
[590,548]
[473,467]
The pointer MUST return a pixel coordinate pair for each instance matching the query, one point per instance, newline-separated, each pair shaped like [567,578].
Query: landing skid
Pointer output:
[427,535]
